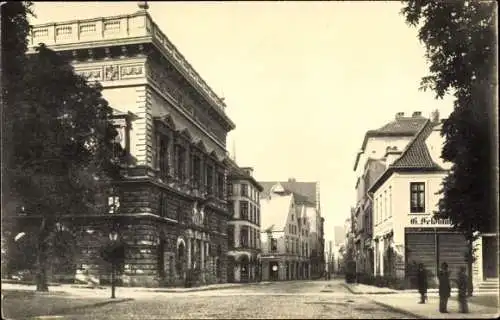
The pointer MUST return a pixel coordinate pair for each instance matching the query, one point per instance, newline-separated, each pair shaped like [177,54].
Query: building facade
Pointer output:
[244,225]
[308,195]
[369,165]
[405,198]
[170,206]
[286,237]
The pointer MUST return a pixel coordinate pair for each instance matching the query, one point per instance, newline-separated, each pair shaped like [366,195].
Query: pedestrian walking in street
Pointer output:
[462,291]
[422,282]
[444,288]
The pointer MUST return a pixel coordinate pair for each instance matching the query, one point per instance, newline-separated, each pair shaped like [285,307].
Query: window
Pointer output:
[390,202]
[244,237]
[220,185]
[244,210]
[274,244]
[230,236]
[244,190]
[113,204]
[386,213]
[210,177]
[163,207]
[163,157]
[417,197]
[230,207]
[180,165]
[196,174]
[258,216]
[230,189]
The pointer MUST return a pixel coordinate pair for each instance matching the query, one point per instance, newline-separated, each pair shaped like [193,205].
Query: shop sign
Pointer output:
[430,221]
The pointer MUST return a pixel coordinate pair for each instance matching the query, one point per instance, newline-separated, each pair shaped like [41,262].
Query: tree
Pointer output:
[460,40]
[14,41]
[62,150]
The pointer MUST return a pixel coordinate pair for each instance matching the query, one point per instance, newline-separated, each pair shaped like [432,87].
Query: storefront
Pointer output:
[432,246]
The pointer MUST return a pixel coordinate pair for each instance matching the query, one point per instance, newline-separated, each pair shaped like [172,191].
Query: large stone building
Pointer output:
[306,194]
[170,207]
[244,227]
[286,237]
[369,165]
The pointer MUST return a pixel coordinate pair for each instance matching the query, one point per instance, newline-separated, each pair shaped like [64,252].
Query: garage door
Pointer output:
[452,248]
[421,248]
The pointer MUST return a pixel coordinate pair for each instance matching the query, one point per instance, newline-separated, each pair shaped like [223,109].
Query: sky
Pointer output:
[303,81]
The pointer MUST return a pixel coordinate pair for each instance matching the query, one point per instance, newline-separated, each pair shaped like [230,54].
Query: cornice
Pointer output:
[120,29]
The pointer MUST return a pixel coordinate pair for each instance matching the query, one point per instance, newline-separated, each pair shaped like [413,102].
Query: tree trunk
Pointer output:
[41,274]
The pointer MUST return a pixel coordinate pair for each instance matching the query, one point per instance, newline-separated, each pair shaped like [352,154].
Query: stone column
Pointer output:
[187,165]
[189,252]
[157,155]
[203,177]
[381,257]
[171,155]
[214,178]
[236,235]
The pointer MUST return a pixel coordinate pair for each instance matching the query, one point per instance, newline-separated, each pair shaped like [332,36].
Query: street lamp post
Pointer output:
[113,236]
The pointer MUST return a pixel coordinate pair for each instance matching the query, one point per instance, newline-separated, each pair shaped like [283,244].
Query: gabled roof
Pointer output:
[400,127]
[237,173]
[274,212]
[305,191]
[416,156]
[312,216]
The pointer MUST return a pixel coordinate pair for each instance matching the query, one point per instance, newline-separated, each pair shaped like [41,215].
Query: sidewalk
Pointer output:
[409,305]
[360,288]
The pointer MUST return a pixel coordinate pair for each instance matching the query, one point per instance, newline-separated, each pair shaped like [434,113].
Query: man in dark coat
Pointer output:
[422,282]
[462,291]
[444,288]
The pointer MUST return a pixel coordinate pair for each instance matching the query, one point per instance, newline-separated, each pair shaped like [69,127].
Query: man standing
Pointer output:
[462,291]
[444,288]
[422,282]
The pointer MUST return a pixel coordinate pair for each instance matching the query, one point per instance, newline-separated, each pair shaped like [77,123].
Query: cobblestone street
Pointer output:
[286,300]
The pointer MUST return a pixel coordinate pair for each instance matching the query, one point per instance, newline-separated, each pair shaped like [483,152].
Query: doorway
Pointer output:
[490,257]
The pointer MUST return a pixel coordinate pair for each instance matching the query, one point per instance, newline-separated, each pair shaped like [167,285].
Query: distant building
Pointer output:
[308,195]
[244,226]
[285,233]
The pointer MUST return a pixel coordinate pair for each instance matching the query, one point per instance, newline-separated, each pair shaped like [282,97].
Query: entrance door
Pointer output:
[490,257]
[420,248]
[273,271]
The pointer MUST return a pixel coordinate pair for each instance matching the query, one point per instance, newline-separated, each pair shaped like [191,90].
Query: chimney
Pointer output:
[291,180]
[435,116]
[416,114]
[248,170]
[143,5]
[399,115]
[391,155]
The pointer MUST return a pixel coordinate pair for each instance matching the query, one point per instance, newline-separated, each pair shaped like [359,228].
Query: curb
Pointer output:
[399,310]
[191,290]
[93,305]
[367,293]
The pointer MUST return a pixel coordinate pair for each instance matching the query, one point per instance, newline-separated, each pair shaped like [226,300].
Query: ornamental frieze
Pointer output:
[94,74]
[131,71]
[111,73]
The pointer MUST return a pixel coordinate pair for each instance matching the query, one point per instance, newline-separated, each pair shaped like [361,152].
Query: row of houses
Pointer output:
[182,203]
[392,226]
